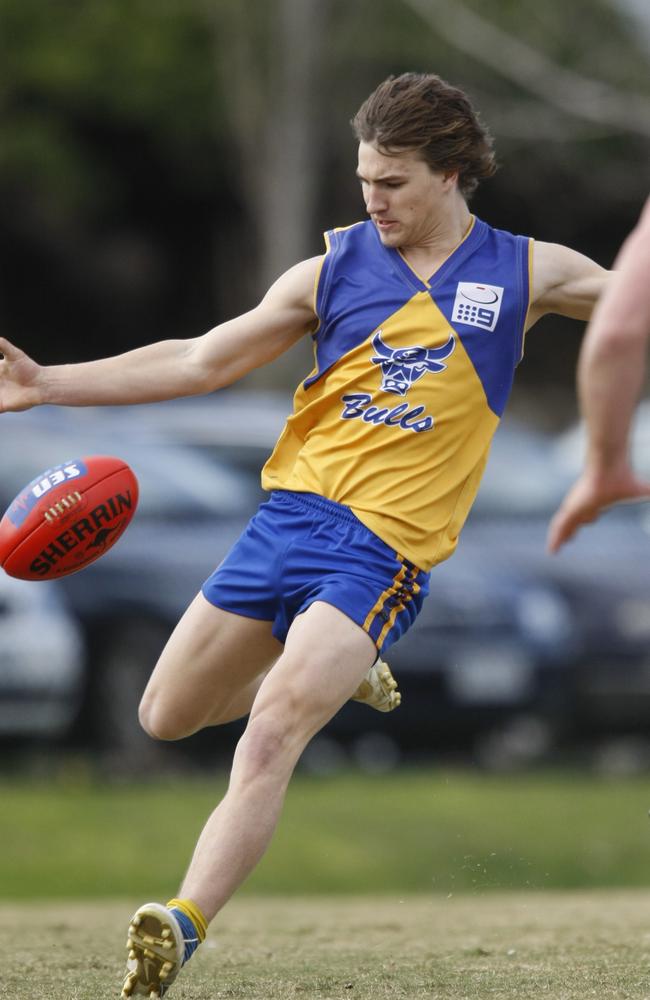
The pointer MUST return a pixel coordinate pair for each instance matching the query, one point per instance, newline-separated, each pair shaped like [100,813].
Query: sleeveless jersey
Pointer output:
[411,378]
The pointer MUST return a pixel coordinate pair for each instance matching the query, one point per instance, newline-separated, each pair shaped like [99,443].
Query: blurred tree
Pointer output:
[566,92]
[268,59]
[108,153]
[268,64]
[162,162]
[531,69]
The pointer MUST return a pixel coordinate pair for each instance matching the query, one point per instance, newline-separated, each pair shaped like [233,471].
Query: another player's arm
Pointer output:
[612,365]
[171,368]
[564,282]
[611,373]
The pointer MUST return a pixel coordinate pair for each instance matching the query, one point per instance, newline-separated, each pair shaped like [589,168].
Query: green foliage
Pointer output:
[154,67]
[146,62]
[151,125]
[115,67]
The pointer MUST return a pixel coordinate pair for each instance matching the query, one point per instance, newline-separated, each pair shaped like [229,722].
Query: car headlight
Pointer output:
[632,619]
[544,616]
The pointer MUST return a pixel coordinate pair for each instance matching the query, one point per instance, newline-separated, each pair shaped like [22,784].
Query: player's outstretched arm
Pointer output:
[170,368]
[18,379]
[564,282]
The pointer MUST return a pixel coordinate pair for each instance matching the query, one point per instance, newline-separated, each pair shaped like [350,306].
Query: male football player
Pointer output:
[417,317]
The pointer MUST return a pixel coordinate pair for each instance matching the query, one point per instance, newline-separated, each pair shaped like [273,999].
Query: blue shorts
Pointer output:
[300,548]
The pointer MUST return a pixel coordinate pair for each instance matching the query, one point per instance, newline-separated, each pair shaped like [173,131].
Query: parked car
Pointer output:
[576,626]
[605,572]
[492,642]
[41,662]
[493,648]
[513,651]
[126,604]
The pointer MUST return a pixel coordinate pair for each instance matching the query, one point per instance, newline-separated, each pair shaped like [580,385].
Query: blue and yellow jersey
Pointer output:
[410,380]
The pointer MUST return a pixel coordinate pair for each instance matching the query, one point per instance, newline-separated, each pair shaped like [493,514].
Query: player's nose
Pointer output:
[375,201]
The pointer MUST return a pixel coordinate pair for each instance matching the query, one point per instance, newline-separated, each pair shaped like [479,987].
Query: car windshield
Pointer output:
[571,446]
[172,479]
[521,477]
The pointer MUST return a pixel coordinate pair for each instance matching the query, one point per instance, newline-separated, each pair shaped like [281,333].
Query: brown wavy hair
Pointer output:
[420,111]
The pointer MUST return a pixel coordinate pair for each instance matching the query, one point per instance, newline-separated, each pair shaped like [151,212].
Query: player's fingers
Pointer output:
[571,515]
[642,489]
[8,351]
[561,529]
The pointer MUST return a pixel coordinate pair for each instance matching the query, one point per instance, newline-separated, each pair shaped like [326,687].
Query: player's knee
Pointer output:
[266,744]
[158,722]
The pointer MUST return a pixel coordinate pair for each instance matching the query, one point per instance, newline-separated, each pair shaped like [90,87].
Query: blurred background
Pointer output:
[161,163]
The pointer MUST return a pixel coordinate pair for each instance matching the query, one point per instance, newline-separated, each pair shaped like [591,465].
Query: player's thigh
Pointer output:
[211,655]
[326,655]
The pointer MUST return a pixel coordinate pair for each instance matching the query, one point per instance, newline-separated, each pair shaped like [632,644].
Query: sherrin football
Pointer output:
[67,518]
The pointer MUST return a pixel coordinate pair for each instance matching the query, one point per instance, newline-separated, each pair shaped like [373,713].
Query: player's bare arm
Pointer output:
[564,282]
[611,374]
[612,365]
[171,368]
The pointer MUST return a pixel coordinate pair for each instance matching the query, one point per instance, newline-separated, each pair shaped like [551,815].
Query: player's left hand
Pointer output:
[589,496]
[19,379]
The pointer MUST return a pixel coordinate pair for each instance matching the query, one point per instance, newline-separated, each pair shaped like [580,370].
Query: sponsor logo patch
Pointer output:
[477,305]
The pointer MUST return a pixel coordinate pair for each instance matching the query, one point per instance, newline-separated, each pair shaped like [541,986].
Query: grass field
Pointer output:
[407,831]
[375,887]
[497,946]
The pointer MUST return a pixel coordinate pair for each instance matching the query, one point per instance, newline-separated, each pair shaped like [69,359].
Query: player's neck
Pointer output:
[433,248]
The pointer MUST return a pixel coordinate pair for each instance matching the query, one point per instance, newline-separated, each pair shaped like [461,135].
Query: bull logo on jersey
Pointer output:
[401,367]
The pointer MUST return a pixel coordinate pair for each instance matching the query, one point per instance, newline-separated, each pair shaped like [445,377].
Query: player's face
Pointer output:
[404,198]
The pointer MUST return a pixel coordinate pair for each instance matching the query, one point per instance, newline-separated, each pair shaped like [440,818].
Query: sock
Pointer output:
[192,923]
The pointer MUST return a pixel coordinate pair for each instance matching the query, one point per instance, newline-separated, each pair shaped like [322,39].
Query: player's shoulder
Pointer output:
[299,276]
[295,286]
[644,219]
[554,262]
[485,230]
[351,235]
[362,225]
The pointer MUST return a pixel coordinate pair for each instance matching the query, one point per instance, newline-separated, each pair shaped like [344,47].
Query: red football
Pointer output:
[67,518]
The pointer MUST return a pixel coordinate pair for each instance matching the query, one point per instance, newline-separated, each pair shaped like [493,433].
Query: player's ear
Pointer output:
[450,178]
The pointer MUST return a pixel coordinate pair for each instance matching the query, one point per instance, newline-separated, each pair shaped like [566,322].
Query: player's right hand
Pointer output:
[590,496]
[19,379]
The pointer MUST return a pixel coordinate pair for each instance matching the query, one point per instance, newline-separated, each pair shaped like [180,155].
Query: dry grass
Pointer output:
[565,946]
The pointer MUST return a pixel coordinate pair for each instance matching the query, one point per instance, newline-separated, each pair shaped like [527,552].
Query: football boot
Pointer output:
[379,688]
